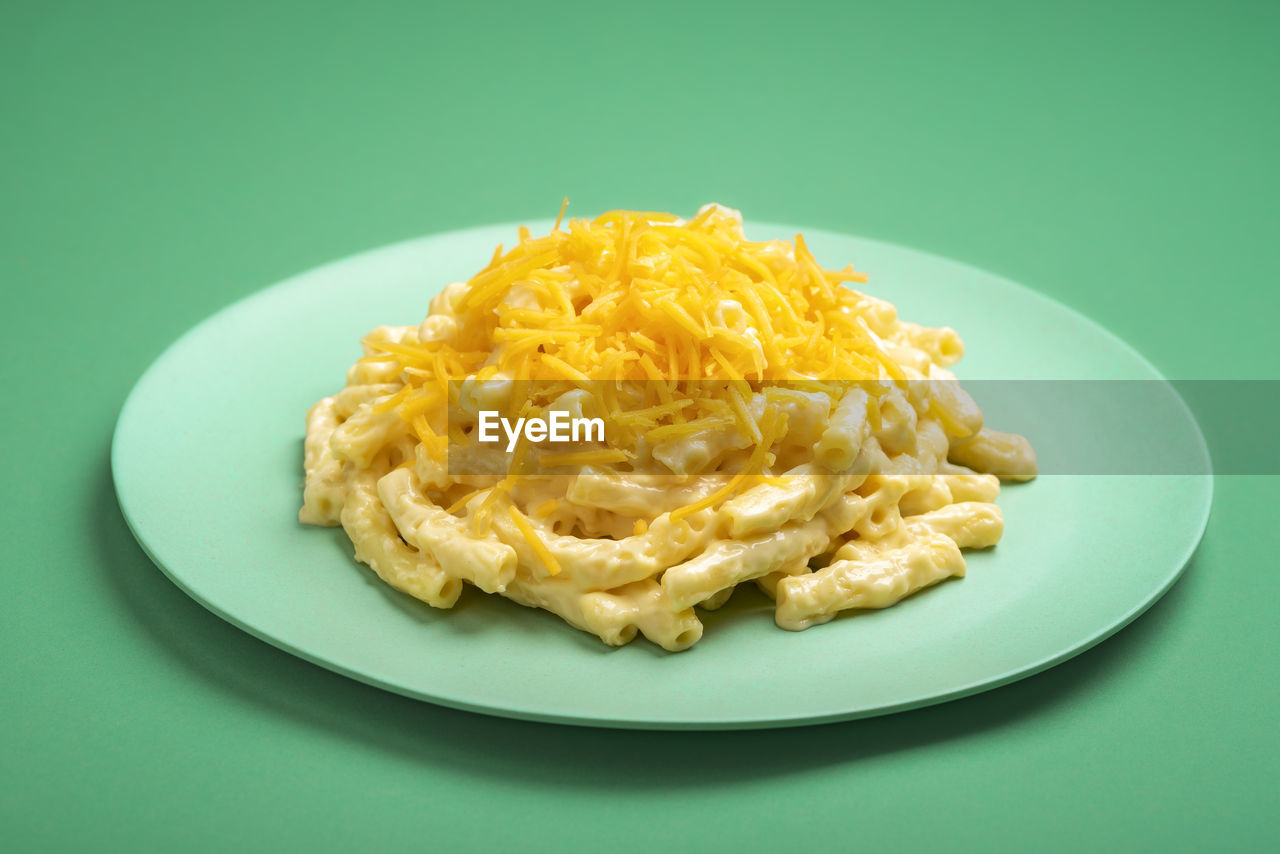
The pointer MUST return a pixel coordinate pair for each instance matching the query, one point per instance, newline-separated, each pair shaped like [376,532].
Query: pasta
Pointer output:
[748,417]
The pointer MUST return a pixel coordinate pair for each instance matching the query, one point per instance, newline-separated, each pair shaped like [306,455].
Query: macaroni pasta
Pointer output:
[765,423]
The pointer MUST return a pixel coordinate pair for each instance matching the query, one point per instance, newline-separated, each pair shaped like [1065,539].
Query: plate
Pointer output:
[207,460]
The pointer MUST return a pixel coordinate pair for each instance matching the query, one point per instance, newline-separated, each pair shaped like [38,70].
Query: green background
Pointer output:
[160,162]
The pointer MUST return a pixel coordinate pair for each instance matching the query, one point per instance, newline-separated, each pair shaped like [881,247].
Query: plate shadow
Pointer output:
[552,754]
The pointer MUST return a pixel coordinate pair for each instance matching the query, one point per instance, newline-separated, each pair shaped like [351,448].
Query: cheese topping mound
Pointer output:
[644,297]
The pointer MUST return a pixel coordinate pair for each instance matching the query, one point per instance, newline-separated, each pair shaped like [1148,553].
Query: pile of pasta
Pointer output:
[764,422]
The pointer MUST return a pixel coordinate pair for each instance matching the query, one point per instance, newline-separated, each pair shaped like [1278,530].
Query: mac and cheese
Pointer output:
[763,422]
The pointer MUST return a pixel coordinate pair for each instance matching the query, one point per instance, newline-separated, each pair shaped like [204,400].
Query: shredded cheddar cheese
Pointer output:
[690,313]
[535,542]
[643,282]
[583,458]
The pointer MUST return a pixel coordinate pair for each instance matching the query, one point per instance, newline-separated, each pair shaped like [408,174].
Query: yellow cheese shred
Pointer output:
[582,458]
[535,542]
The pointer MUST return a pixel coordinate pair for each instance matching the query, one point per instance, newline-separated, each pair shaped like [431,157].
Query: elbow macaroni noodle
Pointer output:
[766,424]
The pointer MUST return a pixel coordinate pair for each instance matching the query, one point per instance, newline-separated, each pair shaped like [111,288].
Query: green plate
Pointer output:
[207,459]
